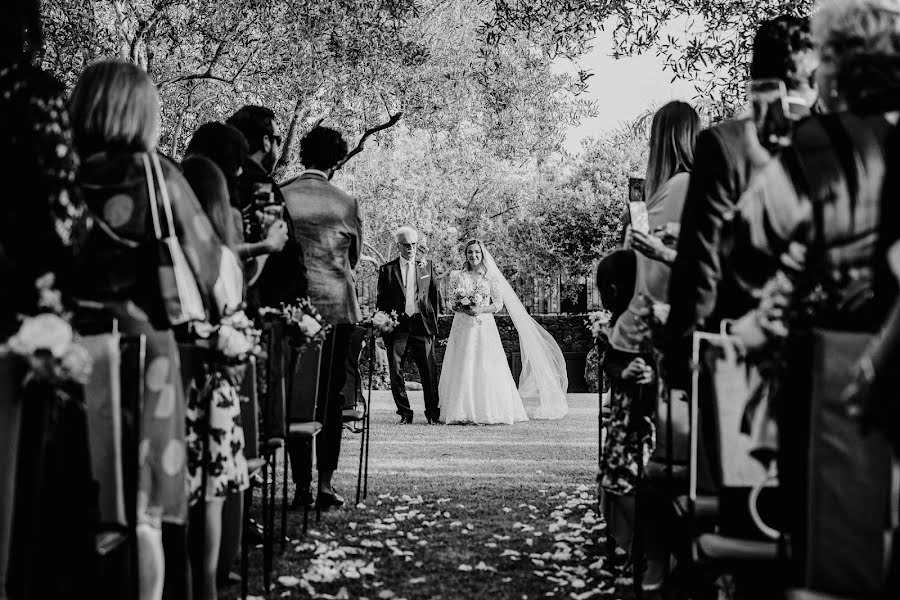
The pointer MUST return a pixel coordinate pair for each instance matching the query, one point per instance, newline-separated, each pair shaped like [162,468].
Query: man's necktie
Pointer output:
[410,289]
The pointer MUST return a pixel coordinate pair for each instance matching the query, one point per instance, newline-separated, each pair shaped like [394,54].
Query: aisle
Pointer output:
[460,512]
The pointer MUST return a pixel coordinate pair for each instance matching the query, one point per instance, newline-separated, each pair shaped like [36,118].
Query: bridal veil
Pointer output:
[543,366]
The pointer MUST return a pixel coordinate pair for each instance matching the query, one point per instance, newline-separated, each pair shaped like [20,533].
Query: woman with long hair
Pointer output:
[629,361]
[476,385]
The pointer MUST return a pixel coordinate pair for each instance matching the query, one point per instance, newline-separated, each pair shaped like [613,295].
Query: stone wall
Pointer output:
[569,331]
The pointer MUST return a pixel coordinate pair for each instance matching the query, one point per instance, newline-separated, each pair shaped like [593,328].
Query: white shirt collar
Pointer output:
[314,172]
[405,263]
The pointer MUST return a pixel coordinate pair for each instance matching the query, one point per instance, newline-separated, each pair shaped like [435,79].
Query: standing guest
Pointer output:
[40,234]
[628,361]
[283,276]
[408,287]
[115,118]
[706,292]
[214,400]
[812,216]
[328,225]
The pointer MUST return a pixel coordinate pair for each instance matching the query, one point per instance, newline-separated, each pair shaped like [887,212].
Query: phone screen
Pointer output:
[263,194]
[637,208]
[768,98]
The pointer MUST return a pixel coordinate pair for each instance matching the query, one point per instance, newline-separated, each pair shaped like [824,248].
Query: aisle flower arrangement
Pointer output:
[305,324]
[597,322]
[381,322]
[47,342]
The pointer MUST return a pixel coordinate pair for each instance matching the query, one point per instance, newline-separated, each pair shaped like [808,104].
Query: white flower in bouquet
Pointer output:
[77,364]
[597,321]
[309,325]
[380,319]
[45,331]
[232,343]
[661,312]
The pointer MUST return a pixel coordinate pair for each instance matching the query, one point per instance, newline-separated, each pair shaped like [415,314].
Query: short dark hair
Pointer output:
[783,49]
[255,122]
[615,279]
[322,148]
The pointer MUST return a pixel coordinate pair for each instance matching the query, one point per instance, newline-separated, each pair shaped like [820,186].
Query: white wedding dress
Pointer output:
[476,385]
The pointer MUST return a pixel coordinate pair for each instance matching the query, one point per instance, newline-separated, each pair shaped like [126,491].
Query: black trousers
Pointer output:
[412,337]
[329,410]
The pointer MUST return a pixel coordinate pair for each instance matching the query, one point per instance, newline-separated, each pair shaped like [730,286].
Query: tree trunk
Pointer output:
[287,147]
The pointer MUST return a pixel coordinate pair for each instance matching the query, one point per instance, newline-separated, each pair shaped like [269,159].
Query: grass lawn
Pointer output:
[458,512]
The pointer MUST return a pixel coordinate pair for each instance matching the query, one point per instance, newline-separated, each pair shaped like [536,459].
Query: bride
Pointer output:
[476,385]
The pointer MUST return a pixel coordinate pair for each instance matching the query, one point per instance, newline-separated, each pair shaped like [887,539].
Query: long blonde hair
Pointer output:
[114,106]
[672,138]
[482,269]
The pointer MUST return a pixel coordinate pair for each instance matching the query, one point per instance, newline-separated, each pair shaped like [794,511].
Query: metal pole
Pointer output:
[368,418]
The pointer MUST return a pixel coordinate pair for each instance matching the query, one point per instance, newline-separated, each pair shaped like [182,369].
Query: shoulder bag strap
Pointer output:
[151,195]
[164,193]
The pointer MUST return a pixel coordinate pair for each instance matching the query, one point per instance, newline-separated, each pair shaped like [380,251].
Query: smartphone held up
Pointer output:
[637,207]
[768,99]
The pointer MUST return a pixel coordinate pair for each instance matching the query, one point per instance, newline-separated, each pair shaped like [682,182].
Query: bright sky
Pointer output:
[623,88]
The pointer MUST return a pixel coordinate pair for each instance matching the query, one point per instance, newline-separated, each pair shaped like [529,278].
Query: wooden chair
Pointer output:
[359,413]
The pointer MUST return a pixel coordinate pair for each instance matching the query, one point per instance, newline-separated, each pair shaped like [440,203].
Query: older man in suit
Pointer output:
[328,224]
[408,287]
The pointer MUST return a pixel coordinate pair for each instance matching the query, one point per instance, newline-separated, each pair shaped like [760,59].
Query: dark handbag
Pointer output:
[178,287]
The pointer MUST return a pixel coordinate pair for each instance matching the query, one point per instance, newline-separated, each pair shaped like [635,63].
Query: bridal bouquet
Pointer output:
[47,341]
[234,339]
[381,322]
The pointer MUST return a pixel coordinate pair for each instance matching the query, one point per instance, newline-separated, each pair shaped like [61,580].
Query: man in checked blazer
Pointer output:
[408,286]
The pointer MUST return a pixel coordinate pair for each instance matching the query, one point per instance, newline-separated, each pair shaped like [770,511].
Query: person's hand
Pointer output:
[749,331]
[774,301]
[638,372]
[651,246]
[277,236]
[380,343]
[265,219]
[470,311]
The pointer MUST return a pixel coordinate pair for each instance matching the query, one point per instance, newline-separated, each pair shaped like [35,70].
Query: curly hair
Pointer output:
[783,49]
[863,36]
[322,148]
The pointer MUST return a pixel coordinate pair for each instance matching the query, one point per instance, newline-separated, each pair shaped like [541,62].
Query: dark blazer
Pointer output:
[328,224]
[698,295]
[392,293]
[283,278]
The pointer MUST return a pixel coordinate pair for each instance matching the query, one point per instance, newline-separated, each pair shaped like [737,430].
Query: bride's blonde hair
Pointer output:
[482,269]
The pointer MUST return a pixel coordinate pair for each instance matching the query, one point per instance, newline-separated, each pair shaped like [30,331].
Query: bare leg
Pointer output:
[152,564]
[211,545]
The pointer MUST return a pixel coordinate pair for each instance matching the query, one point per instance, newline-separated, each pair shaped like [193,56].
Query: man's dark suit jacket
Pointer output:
[699,295]
[283,278]
[392,293]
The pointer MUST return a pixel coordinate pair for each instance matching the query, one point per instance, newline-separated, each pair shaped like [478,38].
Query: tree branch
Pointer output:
[360,146]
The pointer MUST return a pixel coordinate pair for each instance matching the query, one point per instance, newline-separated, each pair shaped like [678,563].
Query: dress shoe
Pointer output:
[434,421]
[327,501]
[405,420]
[302,499]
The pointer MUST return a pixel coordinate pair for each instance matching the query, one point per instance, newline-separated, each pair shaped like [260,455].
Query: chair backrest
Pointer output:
[722,386]
[304,384]
[250,410]
[848,477]
[279,363]
[352,392]
[132,364]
